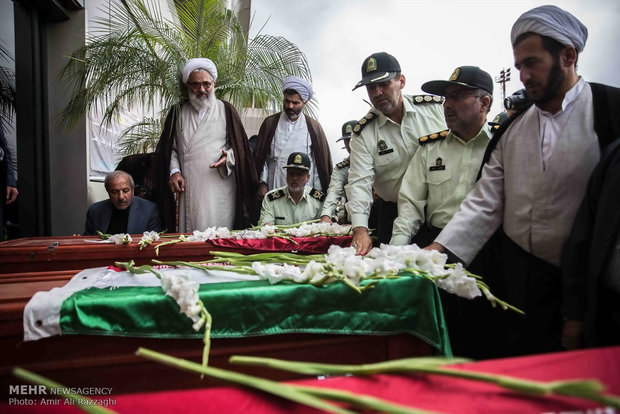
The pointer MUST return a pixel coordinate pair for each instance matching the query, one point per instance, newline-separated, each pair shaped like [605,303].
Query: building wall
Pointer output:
[67,148]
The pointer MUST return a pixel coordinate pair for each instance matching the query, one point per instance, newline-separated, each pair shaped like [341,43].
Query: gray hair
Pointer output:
[117,174]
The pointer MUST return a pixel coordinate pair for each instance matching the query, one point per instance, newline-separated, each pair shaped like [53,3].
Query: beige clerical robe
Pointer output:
[209,197]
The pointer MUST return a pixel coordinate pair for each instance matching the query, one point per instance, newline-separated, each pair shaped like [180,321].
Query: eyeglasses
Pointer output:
[197,85]
[461,94]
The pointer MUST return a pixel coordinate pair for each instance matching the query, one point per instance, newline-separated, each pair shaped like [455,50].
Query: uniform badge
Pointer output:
[319,195]
[362,121]
[383,148]
[371,65]
[348,129]
[439,165]
[428,98]
[369,115]
[274,195]
[357,128]
[455,74]
[434,137]
[418,98]
[297,159]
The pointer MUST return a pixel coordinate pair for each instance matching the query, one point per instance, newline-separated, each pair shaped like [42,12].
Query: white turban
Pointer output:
[553,22]
[299,85]
[199,63]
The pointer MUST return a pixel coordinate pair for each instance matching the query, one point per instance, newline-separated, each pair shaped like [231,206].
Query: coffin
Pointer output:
[42,254]
[86,358]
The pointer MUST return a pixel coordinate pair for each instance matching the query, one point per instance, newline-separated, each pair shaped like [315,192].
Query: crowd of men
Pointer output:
[507,200]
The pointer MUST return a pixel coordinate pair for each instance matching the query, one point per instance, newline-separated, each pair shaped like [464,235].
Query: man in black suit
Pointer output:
[122,213]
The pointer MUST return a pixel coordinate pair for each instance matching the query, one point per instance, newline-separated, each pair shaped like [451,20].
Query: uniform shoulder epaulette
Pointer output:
[361,124]
[437,136]
[344,163]
[319,195]
[275,194]
[422,99]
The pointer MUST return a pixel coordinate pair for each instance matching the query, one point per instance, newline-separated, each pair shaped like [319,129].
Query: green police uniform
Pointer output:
[279,207]
[335,192]
[381,150]
[440,175]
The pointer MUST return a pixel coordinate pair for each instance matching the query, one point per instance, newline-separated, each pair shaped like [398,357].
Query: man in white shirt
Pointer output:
[382,144]
[204,157]
[533,179]
[444,168]
[291,131]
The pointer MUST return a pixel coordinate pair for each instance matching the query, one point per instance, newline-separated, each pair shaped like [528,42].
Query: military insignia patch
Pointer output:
[383,148]
[438,165]
[437,136]
[361,124]
[274,195]
[455,74]
[348,129]
[424,99]
[343,164]
[297,159]
[319,195]
[371,65]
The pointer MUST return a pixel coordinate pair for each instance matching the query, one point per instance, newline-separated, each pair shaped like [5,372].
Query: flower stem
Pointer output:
[589,389]
[272,387]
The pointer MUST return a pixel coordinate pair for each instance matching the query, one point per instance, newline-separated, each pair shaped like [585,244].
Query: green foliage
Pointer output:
[134,58]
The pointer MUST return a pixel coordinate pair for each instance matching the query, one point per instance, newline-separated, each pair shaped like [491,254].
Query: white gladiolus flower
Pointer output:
[150,236]
[120,238]
[314,271]
[222,233]
[459,283]
[185,292]
[268,231]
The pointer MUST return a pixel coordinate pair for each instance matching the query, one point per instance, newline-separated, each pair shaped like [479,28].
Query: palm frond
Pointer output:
[134,57]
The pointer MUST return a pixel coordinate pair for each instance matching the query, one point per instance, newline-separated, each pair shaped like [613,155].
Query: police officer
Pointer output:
[382,145]
[340,177]
[296,202]
[444,169]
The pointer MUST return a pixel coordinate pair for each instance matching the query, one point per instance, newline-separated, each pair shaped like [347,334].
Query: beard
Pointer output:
[292,114]
[554,80]
[202,101]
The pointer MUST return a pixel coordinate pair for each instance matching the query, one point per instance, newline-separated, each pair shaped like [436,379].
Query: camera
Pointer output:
[517,100]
